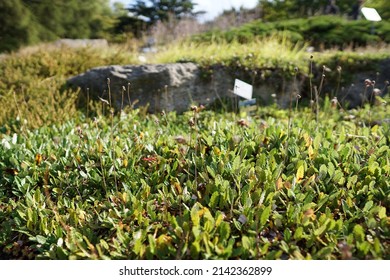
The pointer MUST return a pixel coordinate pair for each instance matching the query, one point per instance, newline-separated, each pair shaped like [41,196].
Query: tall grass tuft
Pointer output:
[262,52]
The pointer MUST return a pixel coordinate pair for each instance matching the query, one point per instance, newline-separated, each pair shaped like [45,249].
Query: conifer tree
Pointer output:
[155,10]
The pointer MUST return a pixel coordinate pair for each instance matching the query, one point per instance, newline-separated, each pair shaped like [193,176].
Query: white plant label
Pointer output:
[243,89]
[371,14]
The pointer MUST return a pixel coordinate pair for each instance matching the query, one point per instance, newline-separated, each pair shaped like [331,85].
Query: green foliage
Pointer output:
[26,22]
[17,27]
[126,188]
[72,191]
[162,10]
[320,31]
[33,78]
[258,54]
[31,83]
[71,19]
[274,10]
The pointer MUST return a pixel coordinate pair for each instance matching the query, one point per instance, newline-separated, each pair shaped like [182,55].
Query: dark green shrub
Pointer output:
[321,31]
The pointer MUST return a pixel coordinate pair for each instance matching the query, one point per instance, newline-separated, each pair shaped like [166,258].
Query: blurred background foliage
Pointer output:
[28,22]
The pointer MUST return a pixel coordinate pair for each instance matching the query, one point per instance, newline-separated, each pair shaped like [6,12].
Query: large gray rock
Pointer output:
[174,86]
[162,87]
[177,86]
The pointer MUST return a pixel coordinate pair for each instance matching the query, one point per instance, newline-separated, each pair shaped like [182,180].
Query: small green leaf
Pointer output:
[331,169]
[152,244]
[195,249]
[352,181]
[195,215]
[298,233]
[210,171]
[214,200]
[300,173]
[382,212]
[323,172]
[246,243]
[236,164]
[41,239]
[364,247]
[317,141]
[265,215]
[224,230]
[37,196]
[321,229]
[358,232]
[368,206]
[324,253]
[83,174]
[339,177]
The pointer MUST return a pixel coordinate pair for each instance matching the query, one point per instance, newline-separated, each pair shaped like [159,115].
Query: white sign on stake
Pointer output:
[243,89]
[371,14]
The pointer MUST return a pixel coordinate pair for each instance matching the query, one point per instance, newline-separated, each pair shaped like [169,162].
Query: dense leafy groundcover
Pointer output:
[319,31]
[202,185]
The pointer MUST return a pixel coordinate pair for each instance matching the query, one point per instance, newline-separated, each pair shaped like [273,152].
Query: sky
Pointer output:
[212,7]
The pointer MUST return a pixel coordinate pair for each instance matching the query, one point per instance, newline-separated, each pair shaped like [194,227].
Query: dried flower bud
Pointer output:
[243,123]
[263,124]
[180,139]
[346,250]
[334,102]
[191,122]
[194,108]
[104,101]
[376,91]
[368,82]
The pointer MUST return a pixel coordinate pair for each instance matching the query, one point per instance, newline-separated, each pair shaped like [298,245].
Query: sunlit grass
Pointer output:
[267,53]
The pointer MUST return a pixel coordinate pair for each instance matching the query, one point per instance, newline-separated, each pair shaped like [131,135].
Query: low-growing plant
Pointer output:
[236,196]
[278,185]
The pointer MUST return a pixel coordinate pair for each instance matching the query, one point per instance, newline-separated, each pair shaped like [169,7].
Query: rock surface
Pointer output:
[177,86]
[173,86]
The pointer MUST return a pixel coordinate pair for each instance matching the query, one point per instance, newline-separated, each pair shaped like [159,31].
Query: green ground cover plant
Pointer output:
[31,82]
[319,31]
[282,184]
[199,185]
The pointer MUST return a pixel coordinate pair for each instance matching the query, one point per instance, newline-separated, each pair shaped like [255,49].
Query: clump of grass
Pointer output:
[34,77]
[258,54]
[112,111]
